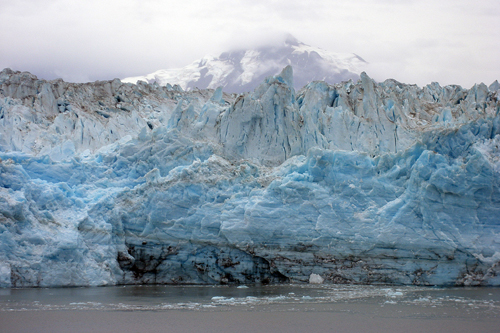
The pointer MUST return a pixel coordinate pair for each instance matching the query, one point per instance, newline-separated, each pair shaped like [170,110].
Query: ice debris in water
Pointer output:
[110,183]
[315,279]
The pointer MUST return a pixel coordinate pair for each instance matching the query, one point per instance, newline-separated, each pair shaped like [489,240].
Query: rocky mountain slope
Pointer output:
[114,183]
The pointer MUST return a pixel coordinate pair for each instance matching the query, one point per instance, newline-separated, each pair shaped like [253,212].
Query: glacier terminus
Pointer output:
[110,183]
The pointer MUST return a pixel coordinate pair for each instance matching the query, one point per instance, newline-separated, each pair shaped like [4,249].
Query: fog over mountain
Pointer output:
[243,70]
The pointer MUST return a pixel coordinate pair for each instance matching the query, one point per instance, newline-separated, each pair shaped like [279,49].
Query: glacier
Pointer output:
[110,183]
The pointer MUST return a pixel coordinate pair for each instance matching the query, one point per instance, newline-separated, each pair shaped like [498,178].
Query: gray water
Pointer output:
[273,308]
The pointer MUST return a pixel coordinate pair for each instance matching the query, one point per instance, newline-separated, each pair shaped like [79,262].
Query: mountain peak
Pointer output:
[291,40]
[243,70]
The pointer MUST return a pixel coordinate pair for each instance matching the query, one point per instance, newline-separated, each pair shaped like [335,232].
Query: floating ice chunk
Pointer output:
[315,279]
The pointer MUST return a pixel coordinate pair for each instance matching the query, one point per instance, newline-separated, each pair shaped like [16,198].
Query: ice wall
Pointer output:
[109,183]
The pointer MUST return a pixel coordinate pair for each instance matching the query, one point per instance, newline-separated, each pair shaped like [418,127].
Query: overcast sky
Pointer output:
[413,41]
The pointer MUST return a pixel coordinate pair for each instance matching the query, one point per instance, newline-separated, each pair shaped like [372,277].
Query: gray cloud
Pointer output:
[411,41]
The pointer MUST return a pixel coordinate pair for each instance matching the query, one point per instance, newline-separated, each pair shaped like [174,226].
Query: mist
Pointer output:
[451,42]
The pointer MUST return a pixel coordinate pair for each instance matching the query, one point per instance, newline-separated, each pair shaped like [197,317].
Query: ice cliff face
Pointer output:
[243,70]
[113,183]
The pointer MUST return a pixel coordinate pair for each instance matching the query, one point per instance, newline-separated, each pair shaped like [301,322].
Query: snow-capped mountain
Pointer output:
[243,70]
